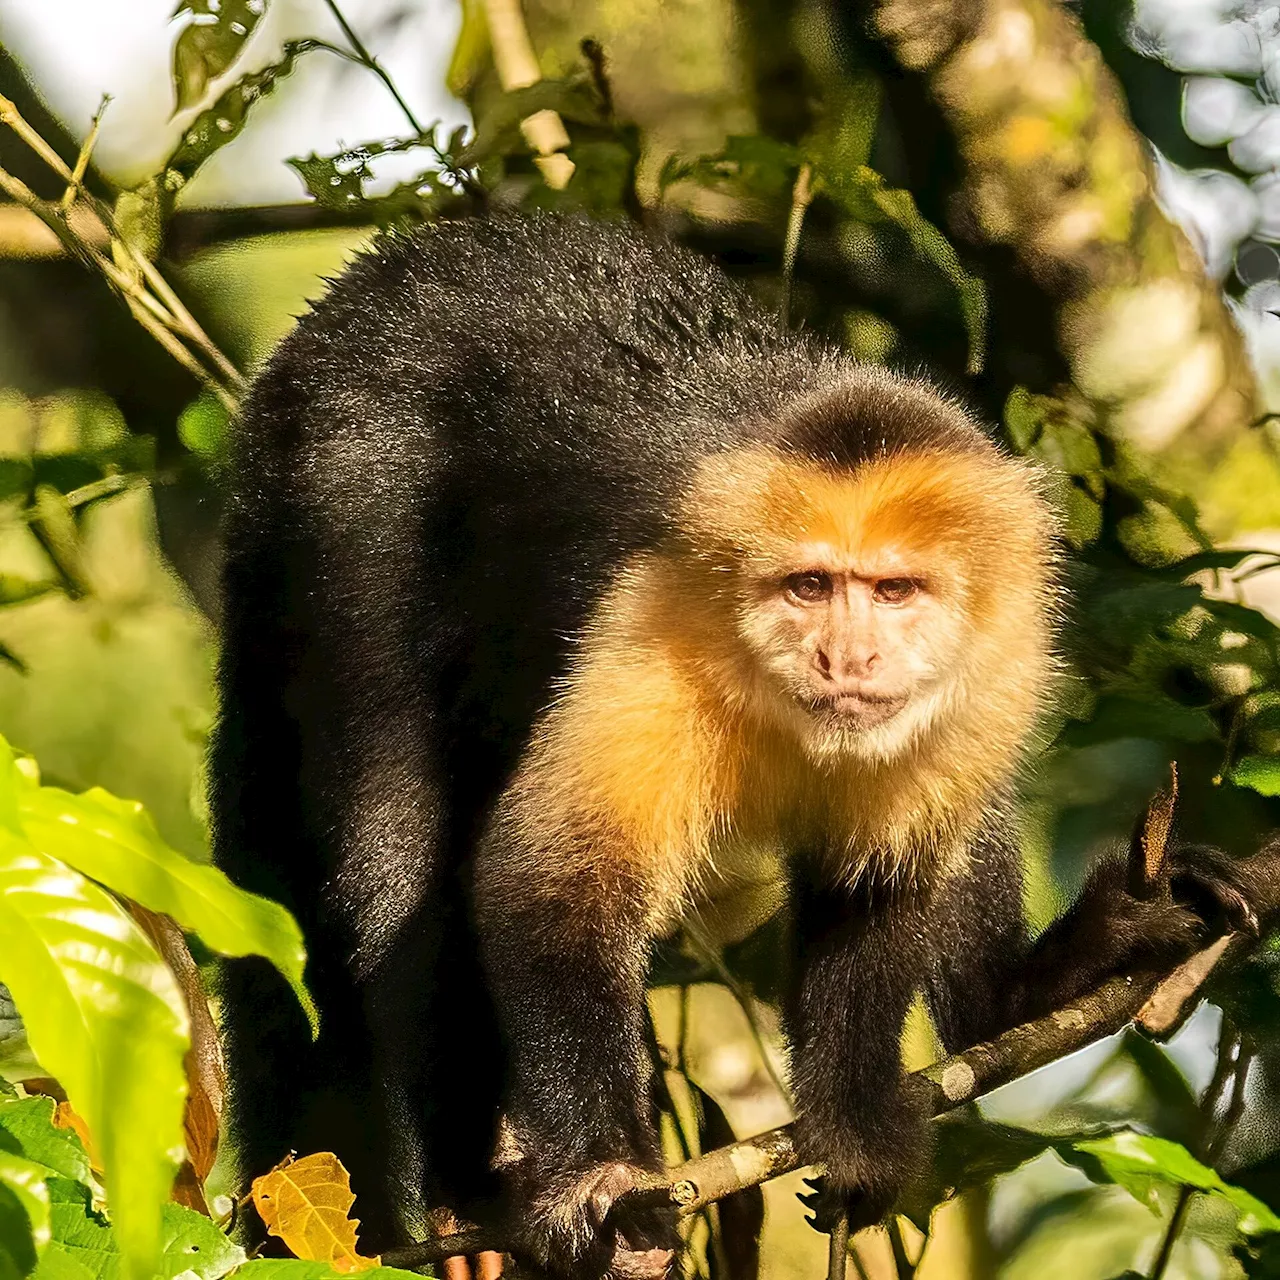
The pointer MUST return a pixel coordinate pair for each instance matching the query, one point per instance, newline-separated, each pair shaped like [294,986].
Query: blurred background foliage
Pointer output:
[1067,212]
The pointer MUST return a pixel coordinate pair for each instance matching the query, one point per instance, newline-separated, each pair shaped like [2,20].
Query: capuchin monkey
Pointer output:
[561,582]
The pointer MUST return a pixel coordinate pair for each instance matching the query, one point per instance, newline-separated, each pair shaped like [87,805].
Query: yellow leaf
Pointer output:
[307,1203]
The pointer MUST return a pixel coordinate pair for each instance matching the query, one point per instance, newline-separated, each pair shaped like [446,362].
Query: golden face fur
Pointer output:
[873,604]
[848,660]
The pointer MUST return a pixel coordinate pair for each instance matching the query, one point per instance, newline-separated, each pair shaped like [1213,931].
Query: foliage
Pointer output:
[103,1013]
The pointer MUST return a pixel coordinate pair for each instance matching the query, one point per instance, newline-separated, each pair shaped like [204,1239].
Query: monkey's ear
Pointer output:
[1151,840]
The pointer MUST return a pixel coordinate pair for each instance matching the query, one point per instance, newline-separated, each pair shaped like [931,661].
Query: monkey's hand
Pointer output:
[571,1228]
[1117,926]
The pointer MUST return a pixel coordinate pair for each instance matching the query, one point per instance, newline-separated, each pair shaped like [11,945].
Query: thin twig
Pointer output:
[838,1249]
[373,64]
[801,197]
[160,312]
[82,160]
[10,115]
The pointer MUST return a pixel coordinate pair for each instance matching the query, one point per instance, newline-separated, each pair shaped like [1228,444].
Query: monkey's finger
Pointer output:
[489,1264]
[641,1264]
[457,1268]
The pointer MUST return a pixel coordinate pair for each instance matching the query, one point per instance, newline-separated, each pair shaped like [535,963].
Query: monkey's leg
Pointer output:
[975,985]
[859,958]
[566,956]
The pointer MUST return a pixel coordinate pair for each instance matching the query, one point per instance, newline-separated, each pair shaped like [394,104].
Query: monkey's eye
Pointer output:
[895,590]
[811,587]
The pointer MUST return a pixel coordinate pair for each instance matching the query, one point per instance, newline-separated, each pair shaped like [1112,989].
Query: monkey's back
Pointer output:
[503,410]
[433,481]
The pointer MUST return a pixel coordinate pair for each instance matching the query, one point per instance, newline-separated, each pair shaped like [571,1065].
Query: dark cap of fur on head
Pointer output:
[871,413]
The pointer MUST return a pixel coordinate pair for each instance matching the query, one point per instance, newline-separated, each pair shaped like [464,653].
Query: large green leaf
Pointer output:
[115,842]
[24,1214]
[1139,1163]
[105,1016]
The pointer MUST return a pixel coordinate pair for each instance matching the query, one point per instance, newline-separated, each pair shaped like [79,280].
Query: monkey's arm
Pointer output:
[857,964]
[988,975]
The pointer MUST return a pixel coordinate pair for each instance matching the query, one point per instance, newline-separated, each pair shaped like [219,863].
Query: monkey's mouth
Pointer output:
[864,710]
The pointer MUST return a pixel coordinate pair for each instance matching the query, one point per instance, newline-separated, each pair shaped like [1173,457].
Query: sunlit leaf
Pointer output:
[26,1127]
[24,1214]
[104,1014]
[85,1245]
[307,1204]
[1139,1162]
[115,842]
[209,43]
[1259,773]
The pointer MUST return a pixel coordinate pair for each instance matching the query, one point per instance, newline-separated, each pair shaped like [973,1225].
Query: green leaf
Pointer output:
[115,842]
[24,1214]
[969,1151]
[83,1246]
[209,43]
[864,195]
[27,1129]
[1153,715]
[1139,1163]
[105,1016]
[333,182]
[300,1269]
[219,124]
[1259,773]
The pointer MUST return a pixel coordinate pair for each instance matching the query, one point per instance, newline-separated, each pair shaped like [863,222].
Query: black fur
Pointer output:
[435,480]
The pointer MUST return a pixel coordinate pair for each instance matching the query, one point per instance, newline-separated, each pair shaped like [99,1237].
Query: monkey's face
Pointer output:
[864,647]
[872,606]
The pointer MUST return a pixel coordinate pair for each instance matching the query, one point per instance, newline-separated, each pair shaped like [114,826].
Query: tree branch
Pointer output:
[1156,1003]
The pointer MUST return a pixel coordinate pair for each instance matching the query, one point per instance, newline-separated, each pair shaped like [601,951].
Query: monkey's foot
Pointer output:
[1218,888]
[570,1230]
[827,1202]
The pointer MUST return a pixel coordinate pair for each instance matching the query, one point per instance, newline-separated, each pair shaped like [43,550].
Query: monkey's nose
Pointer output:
[845,668]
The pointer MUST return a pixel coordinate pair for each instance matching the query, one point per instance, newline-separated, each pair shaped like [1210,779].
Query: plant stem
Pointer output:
[801,195]
[1231,1068]
[373,64]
